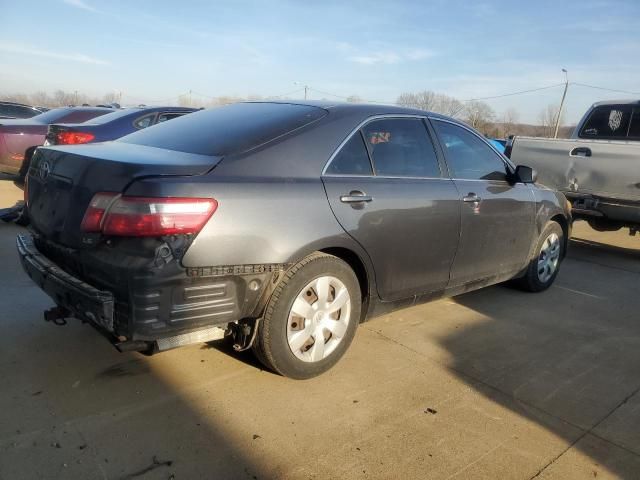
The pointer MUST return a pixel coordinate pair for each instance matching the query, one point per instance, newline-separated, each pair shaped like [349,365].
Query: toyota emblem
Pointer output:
[45,170]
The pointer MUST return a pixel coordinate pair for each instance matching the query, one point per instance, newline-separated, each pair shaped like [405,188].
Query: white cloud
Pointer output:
[419,54]
[389,57]
[74,57]
[80,4]
[375,58]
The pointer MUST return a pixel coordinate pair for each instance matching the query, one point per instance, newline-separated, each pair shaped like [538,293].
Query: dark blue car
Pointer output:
[111,126]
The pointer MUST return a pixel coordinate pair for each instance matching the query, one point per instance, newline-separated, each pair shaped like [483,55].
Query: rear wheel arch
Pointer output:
[352,259]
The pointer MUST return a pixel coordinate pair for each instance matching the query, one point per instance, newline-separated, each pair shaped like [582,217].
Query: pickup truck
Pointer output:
[597,169]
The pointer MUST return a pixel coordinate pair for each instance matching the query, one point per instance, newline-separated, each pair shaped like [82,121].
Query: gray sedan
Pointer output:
[282,225]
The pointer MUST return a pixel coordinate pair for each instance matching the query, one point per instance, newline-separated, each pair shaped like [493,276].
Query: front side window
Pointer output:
[401,147]
[352,159]
[468,156]
[610,121]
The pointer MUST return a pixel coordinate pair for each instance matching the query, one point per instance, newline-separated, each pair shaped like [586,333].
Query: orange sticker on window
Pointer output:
[379,137]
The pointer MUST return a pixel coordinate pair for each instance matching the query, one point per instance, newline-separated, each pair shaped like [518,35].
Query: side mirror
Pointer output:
[526,174]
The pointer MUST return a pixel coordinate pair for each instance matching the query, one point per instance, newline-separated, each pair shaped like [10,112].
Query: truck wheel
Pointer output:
[311,318]
[545,264]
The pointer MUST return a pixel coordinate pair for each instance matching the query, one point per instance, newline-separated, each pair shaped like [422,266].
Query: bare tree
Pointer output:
[354,99]
[111,97]
[547,120]
[479,115]
[509,121]
[433,102]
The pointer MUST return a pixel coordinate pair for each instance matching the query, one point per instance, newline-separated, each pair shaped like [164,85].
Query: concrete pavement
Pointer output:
[492,384]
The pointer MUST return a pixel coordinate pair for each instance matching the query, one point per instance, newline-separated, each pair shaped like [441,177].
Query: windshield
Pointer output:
[51,116]
[109,117]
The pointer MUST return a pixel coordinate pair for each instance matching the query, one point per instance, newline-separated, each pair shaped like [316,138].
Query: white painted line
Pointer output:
[580,293]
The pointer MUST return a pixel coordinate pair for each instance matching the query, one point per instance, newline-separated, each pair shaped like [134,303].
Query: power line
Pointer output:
[515,93]
[604,88]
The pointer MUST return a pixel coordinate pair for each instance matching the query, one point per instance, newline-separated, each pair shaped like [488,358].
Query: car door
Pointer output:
[497,216]
[386,188]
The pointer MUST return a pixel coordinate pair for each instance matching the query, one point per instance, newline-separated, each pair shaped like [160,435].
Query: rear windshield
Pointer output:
[114,116]
[61,115]
[231,129]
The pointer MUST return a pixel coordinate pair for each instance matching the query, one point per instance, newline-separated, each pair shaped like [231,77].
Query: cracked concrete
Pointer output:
[492,384]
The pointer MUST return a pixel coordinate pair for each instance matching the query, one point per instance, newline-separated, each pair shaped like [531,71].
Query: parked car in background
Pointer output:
[285,224]
[112,125]
[498,144]
[19,138]
[18,110]
[598,168]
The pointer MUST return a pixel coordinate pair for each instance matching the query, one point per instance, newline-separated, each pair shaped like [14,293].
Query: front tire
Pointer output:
[311,318]
[545,263]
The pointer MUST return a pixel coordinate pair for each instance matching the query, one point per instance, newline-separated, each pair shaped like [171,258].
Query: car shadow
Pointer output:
[570,353]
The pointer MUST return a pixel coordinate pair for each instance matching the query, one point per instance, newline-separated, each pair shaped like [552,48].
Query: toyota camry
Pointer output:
[281,225]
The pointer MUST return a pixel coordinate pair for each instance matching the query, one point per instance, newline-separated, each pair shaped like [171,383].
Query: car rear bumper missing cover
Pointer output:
[81,299]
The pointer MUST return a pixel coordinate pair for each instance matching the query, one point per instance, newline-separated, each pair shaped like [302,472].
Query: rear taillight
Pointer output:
[92,221]
[74,138]
[146,217]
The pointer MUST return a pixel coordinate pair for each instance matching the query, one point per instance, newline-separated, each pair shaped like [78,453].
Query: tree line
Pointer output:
[476,113]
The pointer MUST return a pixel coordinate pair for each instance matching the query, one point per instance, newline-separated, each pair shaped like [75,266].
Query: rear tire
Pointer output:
[311,318]
[545,263]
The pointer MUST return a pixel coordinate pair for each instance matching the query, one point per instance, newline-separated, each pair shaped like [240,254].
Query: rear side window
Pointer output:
[401,147]
[469,157]
[231,129]
[608,121]
[352,159]
[163,117]
[145,121]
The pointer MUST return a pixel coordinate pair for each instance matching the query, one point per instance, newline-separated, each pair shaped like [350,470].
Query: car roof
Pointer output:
[368,109]
[6,102]
[617,102]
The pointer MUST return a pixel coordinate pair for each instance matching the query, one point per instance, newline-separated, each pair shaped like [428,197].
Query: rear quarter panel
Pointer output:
[15,142]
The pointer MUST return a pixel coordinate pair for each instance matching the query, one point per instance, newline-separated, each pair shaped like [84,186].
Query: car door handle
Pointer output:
[580,152]
[355,196]
[471,198]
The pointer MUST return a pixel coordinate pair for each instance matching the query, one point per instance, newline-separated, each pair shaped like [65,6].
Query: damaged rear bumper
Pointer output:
[81,299]
[166,305]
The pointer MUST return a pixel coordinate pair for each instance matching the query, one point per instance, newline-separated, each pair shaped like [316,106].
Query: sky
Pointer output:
[153,51]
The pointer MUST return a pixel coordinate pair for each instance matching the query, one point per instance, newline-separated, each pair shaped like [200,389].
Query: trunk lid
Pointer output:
[63,180]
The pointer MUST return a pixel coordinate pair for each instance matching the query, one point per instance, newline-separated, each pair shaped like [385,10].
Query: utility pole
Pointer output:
[564,95]
[306,88]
